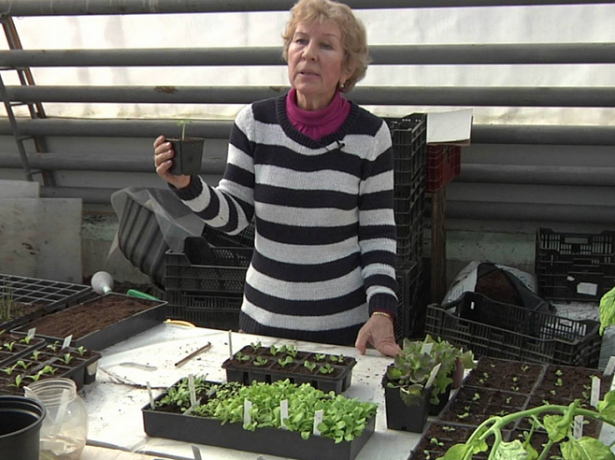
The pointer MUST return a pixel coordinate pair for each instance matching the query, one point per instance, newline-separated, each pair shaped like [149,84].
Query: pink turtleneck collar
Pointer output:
[319,123]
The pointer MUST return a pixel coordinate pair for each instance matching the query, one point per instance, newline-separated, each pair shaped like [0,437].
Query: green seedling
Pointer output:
[286,361]
[17,383]
[35,355]
[255,346]
[9,346]
[291,351]
[182,124]
[260,361]
[9,370]
[239,356]
[337,359]
[48,370]
[559,383]
[27,339]
[67,358]
[309,365]
[24,365]
[320,357]
[476,397]
[274,350]
[525,368]
[81,350]
[54,346]
[436,442]
[326,369]
[448,428]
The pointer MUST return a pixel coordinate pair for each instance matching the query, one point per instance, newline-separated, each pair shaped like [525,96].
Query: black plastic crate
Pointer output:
[575,266]
[205,310]
[516,333]
[409,284]
[207,269]
[409,138]
[48,294]
[244,239]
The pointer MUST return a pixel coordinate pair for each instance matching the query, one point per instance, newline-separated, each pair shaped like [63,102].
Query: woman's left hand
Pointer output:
[378,332]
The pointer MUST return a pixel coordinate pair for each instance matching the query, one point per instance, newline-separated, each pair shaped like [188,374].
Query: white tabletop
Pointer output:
[115,400]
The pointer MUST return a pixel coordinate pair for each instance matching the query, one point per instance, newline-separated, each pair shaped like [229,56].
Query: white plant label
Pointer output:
[284,413]
[317,419]
[578,427]
[230,344]
[66,342]
[426,348]
[610,366]
[31,333]
[247,408]
[432,376]
[587,288]
[192,390]
[196,452]
[151,396]
[595,396]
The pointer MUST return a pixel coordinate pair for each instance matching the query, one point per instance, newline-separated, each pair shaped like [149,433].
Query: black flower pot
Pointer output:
[20,425]
[404,417]
[188,154]
[435,409]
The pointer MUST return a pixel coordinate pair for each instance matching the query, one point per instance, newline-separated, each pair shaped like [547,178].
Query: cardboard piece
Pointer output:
[450,128]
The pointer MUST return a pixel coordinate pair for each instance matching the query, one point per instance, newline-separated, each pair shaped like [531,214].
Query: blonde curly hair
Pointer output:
[354,36]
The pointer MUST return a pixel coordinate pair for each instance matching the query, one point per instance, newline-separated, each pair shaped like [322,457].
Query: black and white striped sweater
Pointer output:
[325,240]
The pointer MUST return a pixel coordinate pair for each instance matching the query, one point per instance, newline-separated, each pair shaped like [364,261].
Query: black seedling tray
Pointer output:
[50,295]
[114,333]
[20,350]
[267,441]
[246,372]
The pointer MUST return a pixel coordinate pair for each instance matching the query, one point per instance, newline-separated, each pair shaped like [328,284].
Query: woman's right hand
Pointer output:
[163,160]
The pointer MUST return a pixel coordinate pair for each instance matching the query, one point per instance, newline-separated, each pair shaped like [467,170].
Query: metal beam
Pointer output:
[481,133]
[540,175]
[112,7]
[373,95]
[545,53]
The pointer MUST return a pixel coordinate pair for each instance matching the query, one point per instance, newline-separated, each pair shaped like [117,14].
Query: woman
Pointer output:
[316,172]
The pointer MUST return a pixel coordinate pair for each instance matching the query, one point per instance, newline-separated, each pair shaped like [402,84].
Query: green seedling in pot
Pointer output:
[17,383]
[9,370]
[182,124]
[326,369]
[35,355]
[24,365]
[239,356]
[260,361]
[255,346]
[436,442]
[309,366]
[337,359]
[27,339]
[286,361]
[9,346]
[273,350]
[81,350]
[35,377]
[320,357]
[67,358]
[48,370]
[291,351]
[54,346]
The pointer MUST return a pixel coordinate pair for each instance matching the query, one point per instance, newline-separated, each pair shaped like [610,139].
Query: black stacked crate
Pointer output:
[409,138]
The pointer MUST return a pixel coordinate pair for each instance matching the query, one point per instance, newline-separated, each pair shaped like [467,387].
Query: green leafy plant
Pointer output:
[291,351]
[239,356]
[556,420]
[326,369]
[255,346]
[27,339]
[81,350]
[66,359]
[309,365]
[286,361]
[9,370]
[24,365]
[260,361]
[35,355]
[274,350]
[48,370]
[9,346]
[54,346]
[337,359]
[319,357]
[17,383]
[411,368]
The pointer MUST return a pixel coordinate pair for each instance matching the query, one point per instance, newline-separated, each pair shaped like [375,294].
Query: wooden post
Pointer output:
[438,245]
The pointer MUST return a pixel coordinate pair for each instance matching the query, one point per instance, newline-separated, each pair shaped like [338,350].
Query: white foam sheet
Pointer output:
[115,400]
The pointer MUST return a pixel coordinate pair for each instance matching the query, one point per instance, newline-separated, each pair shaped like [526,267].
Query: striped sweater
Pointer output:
[325,240]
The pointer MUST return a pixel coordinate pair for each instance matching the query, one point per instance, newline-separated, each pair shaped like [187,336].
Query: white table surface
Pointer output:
[115,400]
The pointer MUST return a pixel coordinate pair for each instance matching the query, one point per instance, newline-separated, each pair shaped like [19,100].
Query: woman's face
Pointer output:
[316,63]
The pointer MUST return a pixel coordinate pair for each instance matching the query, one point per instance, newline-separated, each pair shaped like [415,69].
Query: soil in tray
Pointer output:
[571,383]
[20,310]
[471,413]
[505,375]
[91,317]
[491,397]
[440,437]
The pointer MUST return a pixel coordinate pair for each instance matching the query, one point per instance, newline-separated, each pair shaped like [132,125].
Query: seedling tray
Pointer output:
[151,313]
[267,441]
[46,294]
[246,372]
[19,349]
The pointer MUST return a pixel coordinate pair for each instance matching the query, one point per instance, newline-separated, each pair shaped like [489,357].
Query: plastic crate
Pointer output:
[244,239]
[443,165]
[409,283]
[207,269]
[214,312]
[409,139]
[521,334]
[575,266]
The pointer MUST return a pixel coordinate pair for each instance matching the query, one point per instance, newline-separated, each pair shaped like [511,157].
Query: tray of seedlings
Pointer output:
[280,418]
[52,361]
[255,363]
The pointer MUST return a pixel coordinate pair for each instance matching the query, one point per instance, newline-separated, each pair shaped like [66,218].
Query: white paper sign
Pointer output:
[247,407]
[192,390]
[595,391]
[151,396]
[66,342]
[317,419]
[587,288]
[610,366]
[578,427]
[284,413]
[426,348]
[432,376]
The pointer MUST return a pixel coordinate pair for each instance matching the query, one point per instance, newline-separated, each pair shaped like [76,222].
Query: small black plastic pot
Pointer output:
[20,425]
[403,417]
[188,154]
[435,409]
